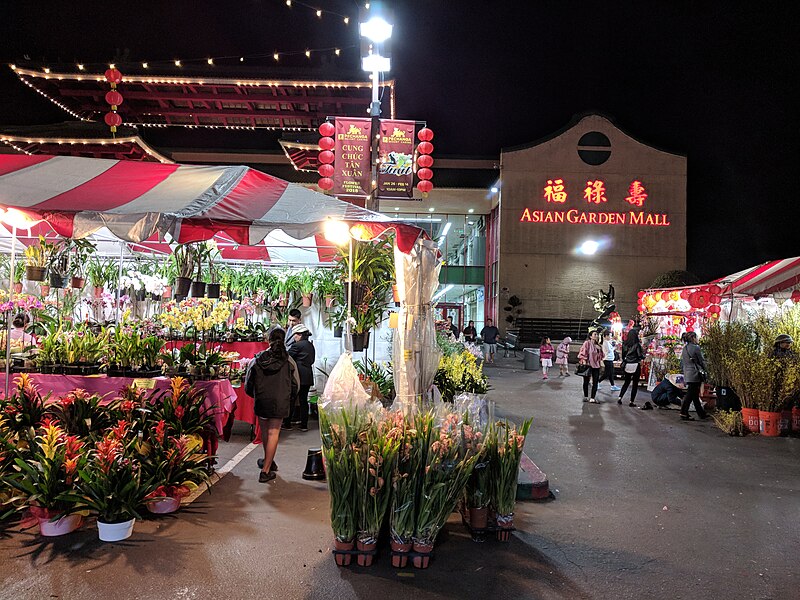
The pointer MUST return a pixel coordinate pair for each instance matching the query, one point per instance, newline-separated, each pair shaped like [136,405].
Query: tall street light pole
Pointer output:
[377,31]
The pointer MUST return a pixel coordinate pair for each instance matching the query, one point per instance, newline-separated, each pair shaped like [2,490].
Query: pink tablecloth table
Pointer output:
[220,396]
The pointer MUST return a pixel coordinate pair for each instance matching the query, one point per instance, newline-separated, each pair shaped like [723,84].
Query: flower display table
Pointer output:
[220,395]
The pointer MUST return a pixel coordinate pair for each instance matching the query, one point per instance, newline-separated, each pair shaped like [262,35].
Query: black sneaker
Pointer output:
[265,477]
[285,427]
[687,418]
[303,427]
[260,463]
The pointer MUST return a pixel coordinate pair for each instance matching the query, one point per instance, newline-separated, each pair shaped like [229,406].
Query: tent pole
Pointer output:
[119,279]
[422,301]
[348,340]
[8,312]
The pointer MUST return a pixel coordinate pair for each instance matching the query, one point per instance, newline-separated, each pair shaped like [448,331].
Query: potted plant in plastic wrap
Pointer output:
[378,451]
[510,441]
[452,449]
[407,467]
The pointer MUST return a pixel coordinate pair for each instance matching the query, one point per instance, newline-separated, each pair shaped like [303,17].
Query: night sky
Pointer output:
[714,81]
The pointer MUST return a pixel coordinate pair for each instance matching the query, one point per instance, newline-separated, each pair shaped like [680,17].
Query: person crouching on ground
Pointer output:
[693,366]
[546,352]
[562,357]
[273,382]
[591,353]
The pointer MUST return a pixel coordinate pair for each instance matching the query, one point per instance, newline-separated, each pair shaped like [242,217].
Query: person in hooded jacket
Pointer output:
[303,353]
[272,381]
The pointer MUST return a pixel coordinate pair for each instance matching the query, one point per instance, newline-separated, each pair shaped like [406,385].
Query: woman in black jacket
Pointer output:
[273,382]
[303,353]
[632,355]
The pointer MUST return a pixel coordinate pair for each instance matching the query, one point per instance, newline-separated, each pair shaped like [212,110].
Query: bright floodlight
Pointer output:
[494,189]
[589,247]
[376,30]
[373,63]
[17,218]
[337,232]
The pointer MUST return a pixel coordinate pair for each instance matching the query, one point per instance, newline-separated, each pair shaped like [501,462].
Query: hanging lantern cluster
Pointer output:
[424,161]
[326,156]
[796,296]
[114,99]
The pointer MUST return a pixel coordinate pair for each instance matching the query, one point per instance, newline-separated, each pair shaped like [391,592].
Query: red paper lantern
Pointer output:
[113,76]
[714,309]
[425,186]
[425,135]
[327,129]
[796,296]
[715,299]
[614,315]
[424,173]
[112,119]
[114,98]
[658,296]
[699,300]
[325,170]
[685,294]
[689,329]
[325,183]
[425,148]
[326,143]
[326,157]
[640,294]
[714,289]
[425,160]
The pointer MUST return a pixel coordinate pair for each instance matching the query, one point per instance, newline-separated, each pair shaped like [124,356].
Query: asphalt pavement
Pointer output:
[645,507]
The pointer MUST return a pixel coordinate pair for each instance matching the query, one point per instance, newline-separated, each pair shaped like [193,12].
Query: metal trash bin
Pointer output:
[530,358]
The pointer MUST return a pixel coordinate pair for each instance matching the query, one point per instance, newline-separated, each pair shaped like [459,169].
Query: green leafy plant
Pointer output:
[510,441]
[102,272]
[184,257]
[375,464]
[38,255]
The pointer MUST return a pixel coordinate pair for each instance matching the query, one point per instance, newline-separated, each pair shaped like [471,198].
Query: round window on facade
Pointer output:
[594,148]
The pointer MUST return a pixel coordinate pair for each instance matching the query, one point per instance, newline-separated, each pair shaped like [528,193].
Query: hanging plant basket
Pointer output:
[57,281]
[182,285]
[77,283]
[35,273]
[360,341]
[213,290]
[198,289]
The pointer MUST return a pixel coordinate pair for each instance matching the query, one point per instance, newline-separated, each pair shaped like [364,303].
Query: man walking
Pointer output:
[489,336]
[294,319]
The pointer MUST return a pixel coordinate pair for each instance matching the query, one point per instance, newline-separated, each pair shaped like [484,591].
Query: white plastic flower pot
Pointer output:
[115,532]
[61,526]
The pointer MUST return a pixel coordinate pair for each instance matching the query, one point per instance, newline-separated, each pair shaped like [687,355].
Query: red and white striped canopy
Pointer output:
[135,200]
[774,276]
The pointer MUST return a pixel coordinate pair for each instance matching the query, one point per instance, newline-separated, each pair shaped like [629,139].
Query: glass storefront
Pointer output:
[462,240]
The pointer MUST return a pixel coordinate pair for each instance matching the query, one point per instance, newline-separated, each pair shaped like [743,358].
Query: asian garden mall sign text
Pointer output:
[594,193]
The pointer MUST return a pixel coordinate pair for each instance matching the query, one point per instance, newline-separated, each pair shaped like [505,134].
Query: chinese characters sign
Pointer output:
[351,175]
[396,151]
[595,193]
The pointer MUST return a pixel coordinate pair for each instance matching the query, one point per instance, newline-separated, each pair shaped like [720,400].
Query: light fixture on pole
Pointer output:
[374,57]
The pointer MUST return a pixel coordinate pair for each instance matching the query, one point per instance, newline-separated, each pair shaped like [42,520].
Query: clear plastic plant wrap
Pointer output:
[452,448]
[510,440]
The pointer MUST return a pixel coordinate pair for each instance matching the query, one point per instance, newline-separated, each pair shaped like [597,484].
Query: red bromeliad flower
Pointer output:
[73,447]
[179,411]
[108,453]
[159,431]
[121,430]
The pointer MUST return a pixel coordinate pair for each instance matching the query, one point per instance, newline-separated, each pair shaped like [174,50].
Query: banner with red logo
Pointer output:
[351,175]
[396,151]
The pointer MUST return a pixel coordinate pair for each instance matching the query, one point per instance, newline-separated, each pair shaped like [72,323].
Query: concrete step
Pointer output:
[532,483]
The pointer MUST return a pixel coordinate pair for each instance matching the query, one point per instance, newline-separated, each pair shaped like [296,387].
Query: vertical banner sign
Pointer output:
[351,175]
[396,150]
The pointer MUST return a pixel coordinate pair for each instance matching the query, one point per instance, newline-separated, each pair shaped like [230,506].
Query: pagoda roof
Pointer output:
[239,100]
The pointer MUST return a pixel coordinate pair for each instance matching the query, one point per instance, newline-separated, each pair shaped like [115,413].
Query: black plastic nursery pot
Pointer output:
[182,285]
[198,289]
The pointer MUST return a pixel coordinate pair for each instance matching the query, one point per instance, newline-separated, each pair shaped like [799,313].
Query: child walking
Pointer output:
[546,352]
[562,357]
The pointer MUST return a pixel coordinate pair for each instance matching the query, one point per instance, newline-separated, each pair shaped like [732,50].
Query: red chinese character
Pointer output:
[595,192]
[554,191]
[637,194]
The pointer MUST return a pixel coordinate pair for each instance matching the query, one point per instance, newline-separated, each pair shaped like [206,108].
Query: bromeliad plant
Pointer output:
[176,463]
[47,473]
[182,407]
[510,440]
[111,482]
[80,414]
[24,409]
